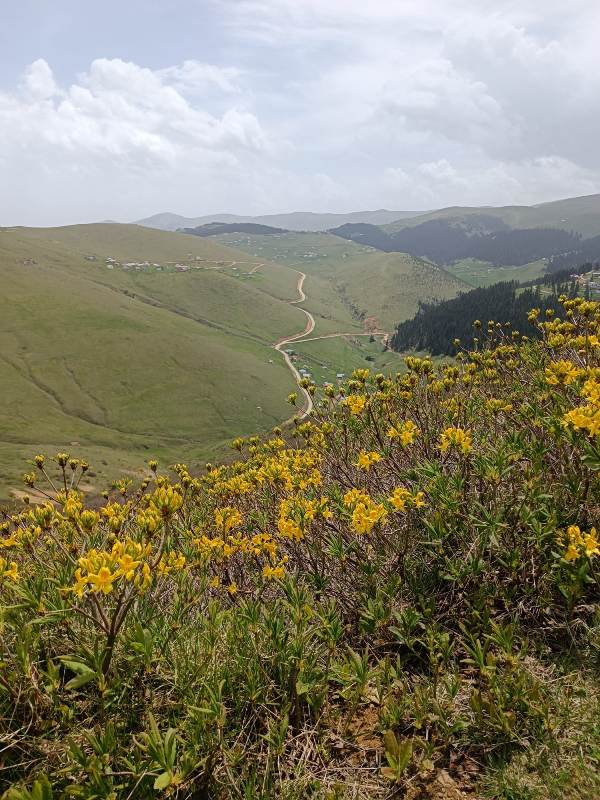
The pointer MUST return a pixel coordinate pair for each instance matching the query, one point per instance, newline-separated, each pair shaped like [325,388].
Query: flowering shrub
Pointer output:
[415,565]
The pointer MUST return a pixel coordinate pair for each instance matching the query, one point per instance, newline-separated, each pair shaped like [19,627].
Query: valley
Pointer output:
[128,343]
[128,365]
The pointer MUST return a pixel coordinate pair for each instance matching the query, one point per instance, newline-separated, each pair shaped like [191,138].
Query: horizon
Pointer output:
[123,111]
[411,213]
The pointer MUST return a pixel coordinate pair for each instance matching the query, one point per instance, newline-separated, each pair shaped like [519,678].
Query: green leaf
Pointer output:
[76,666]
[84,673]
[591,460]
[405,751]
[80,680]
[163,781]
[391,743]
[42,790]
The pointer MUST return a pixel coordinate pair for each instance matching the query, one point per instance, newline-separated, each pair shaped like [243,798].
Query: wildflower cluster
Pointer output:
[101,571]
[366,513]
[405,432]
[391,562]
[581,544]
[456,438]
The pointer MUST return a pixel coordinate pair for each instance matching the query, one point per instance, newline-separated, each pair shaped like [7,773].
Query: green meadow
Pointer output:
[367,282]
[128,364]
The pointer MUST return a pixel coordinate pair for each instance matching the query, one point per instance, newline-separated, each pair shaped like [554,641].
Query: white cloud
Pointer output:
[118,122]
[38,81]
[326,104]
[192,76]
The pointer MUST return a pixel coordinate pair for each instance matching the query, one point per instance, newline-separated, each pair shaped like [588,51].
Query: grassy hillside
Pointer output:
[326,358]
[366,282]
[129,340]
[134,363]
[579,214]
[399,601]
[482,273]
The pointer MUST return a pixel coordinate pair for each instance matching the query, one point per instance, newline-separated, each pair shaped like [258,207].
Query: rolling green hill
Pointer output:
[125,342]
[367,282]
[482,273]
[579,214]
[129,363]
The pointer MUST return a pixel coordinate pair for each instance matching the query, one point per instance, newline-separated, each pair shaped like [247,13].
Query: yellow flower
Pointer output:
[574,534]
[581,543]
[89,519]
[456,438]
[102,581]
[366,515]
[80,584]
[128,565]
[585,418]
[562,373]
[289,528]
[166,500]
[409,433]
[590,543]
[399,498]
[353,496]
[356,403]
[496,406]
[366,460]
[571,553]
[419,500]
[146,577]
[232,588]
[361,375]
[9,571]
[276,573]
[227,518]
[169,562]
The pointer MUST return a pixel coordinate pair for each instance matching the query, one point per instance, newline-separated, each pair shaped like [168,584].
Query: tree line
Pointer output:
[446,241]
[435,327]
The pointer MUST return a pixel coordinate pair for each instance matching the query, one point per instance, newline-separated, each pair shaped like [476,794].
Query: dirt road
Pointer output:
[280,345]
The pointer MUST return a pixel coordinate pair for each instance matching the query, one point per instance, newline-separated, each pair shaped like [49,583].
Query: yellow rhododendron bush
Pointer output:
[416,563]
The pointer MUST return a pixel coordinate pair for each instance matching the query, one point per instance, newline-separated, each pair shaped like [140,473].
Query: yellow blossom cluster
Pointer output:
[166,500]
[227,518]
[8,571]
[587,417]
[99,570]
[562,373]
[496,406]
[366,513]
[456,438]
[356,403]
[288,469]
[401,499]
[366,460]
[171,562]
[296,513]
[406,432]
[581,544]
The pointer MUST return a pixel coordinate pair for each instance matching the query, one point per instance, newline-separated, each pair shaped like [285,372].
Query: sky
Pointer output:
[119,110]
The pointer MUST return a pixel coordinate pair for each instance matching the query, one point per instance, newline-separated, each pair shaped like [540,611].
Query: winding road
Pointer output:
[298,338]
[310,326]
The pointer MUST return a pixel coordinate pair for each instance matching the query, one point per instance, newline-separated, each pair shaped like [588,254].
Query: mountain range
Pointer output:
[578,214]
[294,221]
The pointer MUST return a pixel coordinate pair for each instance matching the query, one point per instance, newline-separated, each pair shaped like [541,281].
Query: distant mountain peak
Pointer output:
[293,221]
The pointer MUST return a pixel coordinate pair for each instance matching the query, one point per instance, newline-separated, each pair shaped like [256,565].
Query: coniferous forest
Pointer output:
[436,326]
